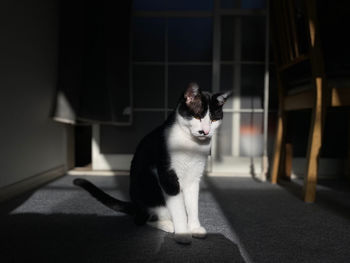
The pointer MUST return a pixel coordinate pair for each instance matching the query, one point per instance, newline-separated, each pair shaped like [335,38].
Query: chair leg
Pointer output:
[315,143]
[279,143]
[314,146]
[318,112]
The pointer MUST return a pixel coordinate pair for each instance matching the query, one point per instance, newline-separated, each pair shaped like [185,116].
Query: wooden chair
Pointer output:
[297,44]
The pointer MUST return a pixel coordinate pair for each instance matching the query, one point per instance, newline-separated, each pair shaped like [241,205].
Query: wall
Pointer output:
[30,142]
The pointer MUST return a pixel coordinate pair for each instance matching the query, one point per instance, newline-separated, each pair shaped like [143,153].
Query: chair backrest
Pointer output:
[289,32]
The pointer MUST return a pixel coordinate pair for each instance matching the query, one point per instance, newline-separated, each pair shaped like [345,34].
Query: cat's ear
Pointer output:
[192,93]
[221,98]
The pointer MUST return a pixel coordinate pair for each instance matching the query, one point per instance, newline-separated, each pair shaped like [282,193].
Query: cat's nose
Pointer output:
[203,132]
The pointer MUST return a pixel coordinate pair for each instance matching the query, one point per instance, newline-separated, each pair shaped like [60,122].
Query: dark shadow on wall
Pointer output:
[82,145]
[92,238]
[93,83]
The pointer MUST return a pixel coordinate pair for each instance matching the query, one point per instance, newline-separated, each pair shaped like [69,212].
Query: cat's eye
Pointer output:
[197,118]
[213,120]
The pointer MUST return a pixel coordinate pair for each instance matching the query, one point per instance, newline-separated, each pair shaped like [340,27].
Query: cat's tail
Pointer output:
[106,199]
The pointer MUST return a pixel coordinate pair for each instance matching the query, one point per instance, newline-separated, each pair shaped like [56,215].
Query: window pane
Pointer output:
[124,140]
[226,82]
[181,76]
[227,37]
[230,3]
[252,4]
[224,137]
[149,5]
[190,5]
[253,38]
[190,39]
[148,39]
[252,35]
[251,134]
[148,86]
[252,88]
[158,5]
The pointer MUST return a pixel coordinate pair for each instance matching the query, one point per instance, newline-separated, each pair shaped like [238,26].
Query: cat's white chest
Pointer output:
[187,157]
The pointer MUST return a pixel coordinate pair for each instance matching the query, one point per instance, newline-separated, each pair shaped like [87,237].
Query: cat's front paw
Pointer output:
[183,238]
[199,232]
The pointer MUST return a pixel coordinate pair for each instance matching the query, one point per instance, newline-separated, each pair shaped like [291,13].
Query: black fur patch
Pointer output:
[208,101]
[198,110]
[215,108]
[150,160]
[169,182]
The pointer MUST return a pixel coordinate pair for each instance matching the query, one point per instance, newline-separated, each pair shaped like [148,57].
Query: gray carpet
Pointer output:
[275,225]
[247,221]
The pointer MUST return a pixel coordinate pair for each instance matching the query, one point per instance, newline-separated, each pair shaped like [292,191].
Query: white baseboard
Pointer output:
[10,191]
[98,173]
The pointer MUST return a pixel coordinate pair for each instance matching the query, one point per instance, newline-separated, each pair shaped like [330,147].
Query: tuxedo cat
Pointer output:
[167,167]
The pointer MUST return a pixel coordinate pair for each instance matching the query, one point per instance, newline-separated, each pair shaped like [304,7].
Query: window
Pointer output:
[176,42]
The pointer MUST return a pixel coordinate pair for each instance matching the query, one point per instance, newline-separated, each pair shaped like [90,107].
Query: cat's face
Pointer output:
[201,112]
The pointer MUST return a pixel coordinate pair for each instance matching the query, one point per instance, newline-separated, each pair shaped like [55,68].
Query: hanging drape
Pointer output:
[94,70]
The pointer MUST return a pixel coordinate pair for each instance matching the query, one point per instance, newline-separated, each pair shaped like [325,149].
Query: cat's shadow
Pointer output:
[214,248]
[93,238]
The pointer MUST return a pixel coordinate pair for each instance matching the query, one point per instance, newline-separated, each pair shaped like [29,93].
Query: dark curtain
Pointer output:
[94,59]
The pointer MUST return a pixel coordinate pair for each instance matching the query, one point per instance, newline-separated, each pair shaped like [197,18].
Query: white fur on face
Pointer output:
[201,129]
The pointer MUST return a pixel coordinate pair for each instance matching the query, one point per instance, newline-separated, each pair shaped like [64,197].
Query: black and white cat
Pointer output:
[167,167]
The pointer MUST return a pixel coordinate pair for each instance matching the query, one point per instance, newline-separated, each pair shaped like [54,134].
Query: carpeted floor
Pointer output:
[247,221]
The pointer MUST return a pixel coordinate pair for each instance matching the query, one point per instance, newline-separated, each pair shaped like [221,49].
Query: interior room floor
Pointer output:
[247,221]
